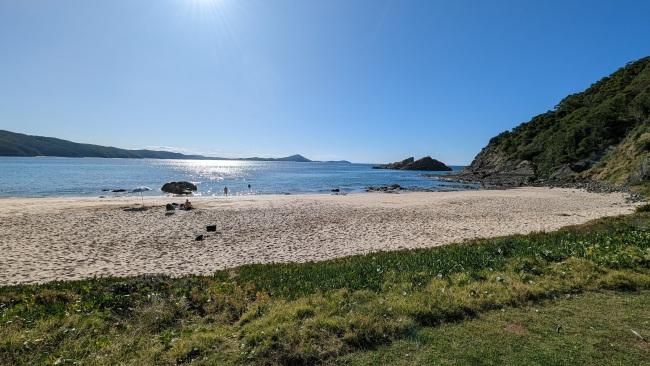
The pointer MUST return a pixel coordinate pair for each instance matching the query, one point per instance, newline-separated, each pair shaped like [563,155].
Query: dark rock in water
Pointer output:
[211,228]
[426,163]
[118,190]
[199,238]
[393,188]
[178,187]
[396,165]
[336,190]
[170,207]
[105,190]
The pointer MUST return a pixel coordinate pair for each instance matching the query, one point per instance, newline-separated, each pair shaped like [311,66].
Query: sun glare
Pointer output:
[208,10]
[205,3]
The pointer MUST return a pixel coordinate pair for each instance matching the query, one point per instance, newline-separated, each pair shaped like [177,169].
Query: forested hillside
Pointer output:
[602,133]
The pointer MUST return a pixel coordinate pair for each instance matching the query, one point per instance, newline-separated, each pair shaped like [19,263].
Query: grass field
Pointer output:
[567,297]
[578,329]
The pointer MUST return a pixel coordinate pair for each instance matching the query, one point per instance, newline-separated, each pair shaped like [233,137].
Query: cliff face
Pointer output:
[602,133]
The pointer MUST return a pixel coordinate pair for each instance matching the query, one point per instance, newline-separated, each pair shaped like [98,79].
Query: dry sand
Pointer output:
[46,239]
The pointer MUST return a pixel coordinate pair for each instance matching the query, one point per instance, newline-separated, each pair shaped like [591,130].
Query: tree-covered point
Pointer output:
[585,130]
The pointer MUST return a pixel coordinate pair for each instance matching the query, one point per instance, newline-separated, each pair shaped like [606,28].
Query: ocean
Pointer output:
[59,177]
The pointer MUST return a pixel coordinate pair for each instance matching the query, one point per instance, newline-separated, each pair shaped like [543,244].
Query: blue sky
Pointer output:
[367,81]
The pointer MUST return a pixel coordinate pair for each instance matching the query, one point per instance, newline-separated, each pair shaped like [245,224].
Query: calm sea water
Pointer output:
[47,176]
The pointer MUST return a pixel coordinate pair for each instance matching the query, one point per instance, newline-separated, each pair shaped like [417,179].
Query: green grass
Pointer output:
[330,311]
[557,332]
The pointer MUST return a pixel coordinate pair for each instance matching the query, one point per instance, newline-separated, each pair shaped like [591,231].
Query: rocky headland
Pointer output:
[597,140]
[426,163]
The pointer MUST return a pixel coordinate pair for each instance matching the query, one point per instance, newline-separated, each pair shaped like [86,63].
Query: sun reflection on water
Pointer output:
[212,173]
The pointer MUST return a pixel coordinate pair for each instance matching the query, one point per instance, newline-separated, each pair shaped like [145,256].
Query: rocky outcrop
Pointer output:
[393,188]
[492,167]
[426,163]
[396,165]
[642,173]
[179,188]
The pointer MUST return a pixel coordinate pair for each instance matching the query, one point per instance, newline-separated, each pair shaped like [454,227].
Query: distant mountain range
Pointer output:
[18,144]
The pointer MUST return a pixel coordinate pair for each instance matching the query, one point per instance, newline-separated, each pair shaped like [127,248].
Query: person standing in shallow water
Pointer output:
[225,191]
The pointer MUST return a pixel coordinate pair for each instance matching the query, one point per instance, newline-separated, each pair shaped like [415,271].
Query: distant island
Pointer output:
[426,163]
[18,144]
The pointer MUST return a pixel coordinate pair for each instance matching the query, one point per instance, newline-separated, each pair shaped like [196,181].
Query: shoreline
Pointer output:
[332,192]
[135,198]
[48,239]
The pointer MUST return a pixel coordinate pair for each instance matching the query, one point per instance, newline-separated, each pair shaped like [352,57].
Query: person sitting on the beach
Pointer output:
[188,205]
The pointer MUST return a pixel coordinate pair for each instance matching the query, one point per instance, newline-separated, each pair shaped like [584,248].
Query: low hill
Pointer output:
[18,144]
[602,133]
[295,158]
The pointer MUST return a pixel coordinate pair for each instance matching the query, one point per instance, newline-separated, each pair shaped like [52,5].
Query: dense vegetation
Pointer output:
[18,144]
[602,132]
[347,309]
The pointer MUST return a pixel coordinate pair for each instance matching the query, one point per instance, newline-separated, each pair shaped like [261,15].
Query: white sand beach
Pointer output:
[46,239]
